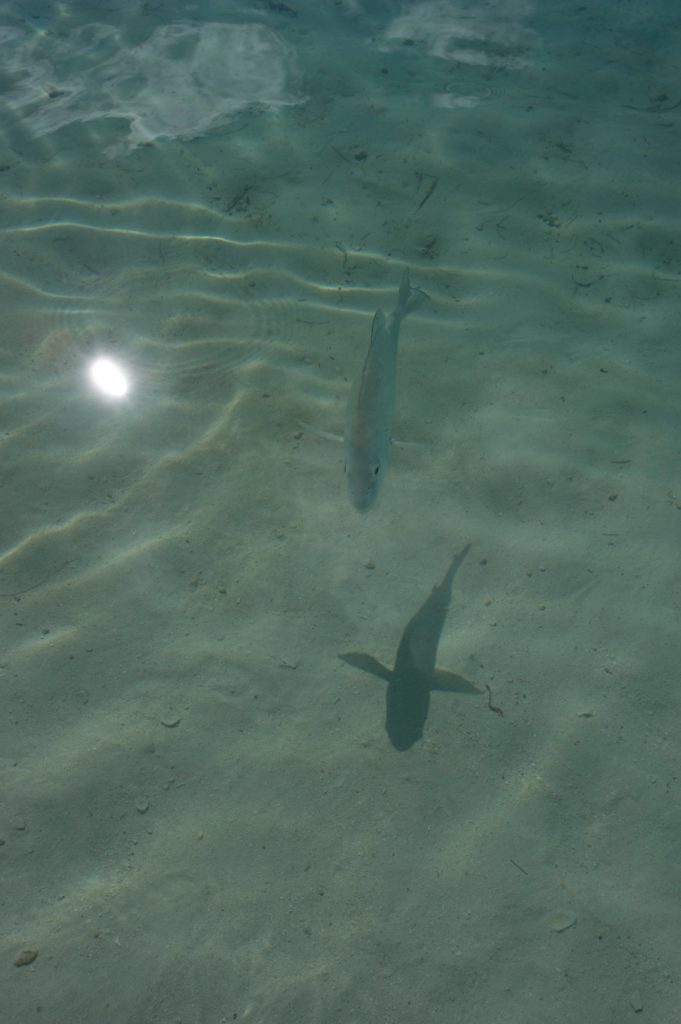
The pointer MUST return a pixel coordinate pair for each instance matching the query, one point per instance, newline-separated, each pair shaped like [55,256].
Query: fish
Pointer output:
[414,675]
[372,402]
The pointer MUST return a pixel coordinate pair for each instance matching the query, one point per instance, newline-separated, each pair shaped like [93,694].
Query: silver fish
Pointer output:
[372,402]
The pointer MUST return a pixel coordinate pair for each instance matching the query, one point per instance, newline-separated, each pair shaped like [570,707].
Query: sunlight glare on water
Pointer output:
[109,378]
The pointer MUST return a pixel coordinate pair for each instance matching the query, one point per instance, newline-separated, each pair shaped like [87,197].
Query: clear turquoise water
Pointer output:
[203,817]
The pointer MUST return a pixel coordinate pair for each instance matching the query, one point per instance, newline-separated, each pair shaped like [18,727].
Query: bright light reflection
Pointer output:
[109,378]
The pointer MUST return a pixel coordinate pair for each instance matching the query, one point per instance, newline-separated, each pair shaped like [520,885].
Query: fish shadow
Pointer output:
[414,675]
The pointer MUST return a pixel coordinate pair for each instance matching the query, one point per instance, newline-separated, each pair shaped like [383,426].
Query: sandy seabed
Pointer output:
[203,818]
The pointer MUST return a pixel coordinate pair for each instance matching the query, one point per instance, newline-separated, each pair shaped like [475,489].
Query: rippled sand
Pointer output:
[203,818]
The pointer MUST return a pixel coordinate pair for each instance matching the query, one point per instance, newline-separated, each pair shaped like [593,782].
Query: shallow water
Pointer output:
[203,817]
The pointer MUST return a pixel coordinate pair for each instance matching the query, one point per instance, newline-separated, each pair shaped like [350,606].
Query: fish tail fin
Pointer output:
[408,298]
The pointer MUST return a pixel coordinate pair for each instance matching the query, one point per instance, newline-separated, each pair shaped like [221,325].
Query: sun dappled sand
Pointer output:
[204,818]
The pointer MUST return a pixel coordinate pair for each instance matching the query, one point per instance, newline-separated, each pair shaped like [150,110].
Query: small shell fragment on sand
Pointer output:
[561,920]
[27,956]
[635,1001]
[170,719]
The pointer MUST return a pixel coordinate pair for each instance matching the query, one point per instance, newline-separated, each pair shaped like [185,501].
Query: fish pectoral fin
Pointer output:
[325,435]
[450,682]
[377,324]
[367,664]
[418,445]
